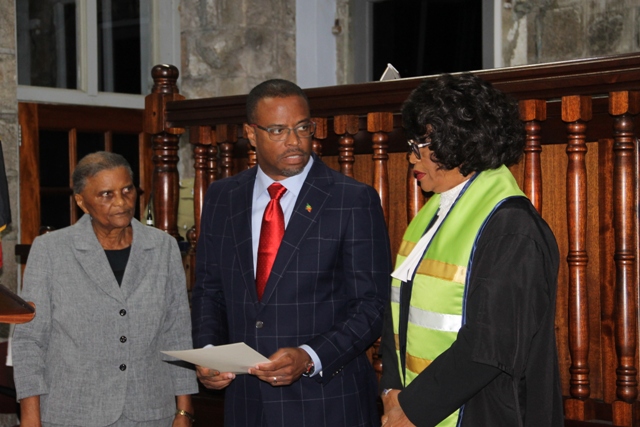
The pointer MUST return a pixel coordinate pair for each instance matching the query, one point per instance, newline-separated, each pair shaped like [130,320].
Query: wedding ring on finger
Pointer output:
[275,380]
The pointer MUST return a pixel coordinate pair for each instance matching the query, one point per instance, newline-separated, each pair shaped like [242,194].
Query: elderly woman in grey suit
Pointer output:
[110,294]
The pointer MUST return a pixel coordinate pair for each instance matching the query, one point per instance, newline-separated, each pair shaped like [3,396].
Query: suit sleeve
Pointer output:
[177,323]
[366,264]
[31,340]
[391,371]
[208,308]
[507,300]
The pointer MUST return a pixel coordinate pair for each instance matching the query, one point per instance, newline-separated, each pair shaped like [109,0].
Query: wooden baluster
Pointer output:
[320,135]
[532,112]
[415,198]
[252,159]
[190,267]
[346,126]
[623,105]
[212,162]
[202,138]
[165,147]
[576,110]
[380,124]
[226,136]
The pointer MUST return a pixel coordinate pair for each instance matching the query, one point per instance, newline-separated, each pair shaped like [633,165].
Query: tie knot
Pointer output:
[276,190]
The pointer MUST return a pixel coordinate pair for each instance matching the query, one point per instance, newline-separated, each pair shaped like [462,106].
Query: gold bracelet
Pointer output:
[186,414]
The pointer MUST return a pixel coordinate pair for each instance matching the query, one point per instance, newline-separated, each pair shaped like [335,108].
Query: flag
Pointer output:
[5,208]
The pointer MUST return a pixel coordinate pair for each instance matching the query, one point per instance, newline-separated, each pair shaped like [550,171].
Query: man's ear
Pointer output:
[251,134]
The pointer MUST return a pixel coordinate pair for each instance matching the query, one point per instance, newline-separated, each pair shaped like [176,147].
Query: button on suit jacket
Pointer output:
[327,289]
[92,352]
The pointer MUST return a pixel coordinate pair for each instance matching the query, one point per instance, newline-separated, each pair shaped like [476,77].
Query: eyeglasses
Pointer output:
[415,144]
[281,133]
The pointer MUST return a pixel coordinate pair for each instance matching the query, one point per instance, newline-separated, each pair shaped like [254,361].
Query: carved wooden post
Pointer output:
[320,135]
[252,159]
[380,124]
[623,105]
[226,136]
[346,126]
[212,161]
[576,110]
[415,198]
[532,112]
[165,147]
[202,138]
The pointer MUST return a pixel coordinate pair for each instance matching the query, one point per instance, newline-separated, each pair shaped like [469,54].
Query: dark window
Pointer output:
[119,46]
[423,37]
[47,51]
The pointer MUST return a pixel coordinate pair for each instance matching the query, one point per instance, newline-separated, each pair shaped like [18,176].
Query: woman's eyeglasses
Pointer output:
[415,144]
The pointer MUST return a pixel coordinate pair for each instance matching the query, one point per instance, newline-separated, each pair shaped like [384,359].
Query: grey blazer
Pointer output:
[92,352]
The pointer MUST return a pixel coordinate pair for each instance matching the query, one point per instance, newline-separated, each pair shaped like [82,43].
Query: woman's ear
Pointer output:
[80,202]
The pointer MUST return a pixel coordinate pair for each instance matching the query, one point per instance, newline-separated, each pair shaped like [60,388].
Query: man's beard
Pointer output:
[291,172]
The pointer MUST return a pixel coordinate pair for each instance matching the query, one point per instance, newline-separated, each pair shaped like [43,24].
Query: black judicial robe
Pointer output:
[502,370]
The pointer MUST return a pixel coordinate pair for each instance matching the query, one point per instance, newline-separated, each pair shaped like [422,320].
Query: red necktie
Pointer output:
[271,234]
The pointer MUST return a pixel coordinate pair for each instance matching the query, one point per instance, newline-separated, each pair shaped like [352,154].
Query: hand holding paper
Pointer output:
[236,358]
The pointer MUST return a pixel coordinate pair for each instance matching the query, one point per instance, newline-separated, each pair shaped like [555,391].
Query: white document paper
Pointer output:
[237,357]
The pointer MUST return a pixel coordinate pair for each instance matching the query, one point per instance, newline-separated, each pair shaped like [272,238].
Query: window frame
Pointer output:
[164,48]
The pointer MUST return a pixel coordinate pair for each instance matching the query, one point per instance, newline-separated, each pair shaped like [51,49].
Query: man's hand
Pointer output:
[287,366]
[394,416]
[213,379]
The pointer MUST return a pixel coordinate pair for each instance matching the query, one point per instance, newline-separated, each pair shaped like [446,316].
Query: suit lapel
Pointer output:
[91,257]
[139,259]
[315,192]
[240,204]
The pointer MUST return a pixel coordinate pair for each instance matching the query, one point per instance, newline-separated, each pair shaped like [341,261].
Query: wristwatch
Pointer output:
[311,369]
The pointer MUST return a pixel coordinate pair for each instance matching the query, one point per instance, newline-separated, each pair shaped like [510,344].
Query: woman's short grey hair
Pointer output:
[94,163]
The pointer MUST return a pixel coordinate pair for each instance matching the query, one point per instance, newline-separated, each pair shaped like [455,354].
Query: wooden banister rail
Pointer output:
[579,168]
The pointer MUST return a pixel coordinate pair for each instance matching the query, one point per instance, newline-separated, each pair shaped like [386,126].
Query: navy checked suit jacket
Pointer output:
[328,288]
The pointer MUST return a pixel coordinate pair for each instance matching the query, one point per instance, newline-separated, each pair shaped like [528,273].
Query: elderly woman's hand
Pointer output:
[181,421]
[213,379]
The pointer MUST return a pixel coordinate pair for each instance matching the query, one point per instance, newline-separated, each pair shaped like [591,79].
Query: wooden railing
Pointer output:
[579,169]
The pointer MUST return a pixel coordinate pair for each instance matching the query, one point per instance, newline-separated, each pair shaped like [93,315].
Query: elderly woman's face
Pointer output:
[432,177]
[109,197]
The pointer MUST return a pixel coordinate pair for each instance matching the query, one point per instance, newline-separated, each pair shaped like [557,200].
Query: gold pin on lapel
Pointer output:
[308,208]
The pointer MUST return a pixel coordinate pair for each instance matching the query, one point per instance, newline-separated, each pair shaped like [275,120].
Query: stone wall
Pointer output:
[9,135]
[229,46]
[9,138]
[538,31]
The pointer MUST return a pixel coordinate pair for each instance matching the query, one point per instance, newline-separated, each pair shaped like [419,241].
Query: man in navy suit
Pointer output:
[323,302]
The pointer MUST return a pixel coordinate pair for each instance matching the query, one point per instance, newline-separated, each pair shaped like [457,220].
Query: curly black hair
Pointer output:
[473,125]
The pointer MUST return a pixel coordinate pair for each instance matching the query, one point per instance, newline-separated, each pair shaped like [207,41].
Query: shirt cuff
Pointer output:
[316,360]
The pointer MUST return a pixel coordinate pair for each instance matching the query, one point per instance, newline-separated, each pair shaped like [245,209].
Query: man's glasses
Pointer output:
[281,133]
[415,144]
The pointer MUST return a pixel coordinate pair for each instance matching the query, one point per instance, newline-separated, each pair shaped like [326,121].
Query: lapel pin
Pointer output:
[308,208]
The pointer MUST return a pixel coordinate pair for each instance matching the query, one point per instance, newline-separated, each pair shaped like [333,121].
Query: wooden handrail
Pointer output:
[546,81]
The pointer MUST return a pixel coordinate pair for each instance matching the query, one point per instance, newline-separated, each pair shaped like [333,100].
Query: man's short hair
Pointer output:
[274,88]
